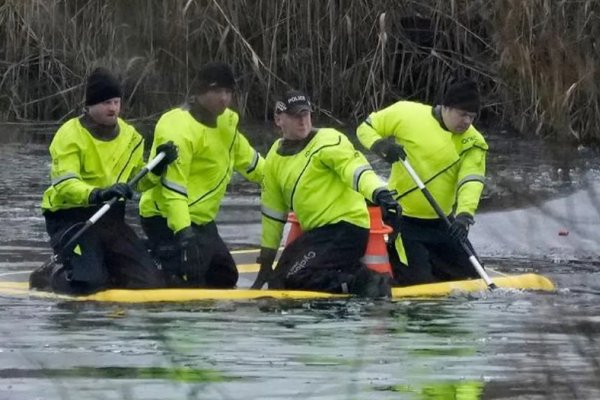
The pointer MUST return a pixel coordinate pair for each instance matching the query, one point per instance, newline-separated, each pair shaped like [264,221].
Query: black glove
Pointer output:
[190,255]
[119,190]
[171,151]
[390,209]
[266,258]
[389,151]
[459,230]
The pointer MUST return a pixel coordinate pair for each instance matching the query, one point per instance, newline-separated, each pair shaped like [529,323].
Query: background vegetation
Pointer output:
[536,60]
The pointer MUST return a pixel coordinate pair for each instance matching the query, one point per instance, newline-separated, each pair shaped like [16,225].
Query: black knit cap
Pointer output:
[215,75]
[101,86]
[464,95]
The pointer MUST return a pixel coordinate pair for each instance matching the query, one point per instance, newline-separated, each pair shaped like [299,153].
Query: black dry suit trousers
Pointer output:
[215,267]
[325,259]
[108,255]
[431,254]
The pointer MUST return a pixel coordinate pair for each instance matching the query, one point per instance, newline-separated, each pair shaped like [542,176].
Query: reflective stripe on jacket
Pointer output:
[325,183]
[81,163]
[192,187]
[451,165]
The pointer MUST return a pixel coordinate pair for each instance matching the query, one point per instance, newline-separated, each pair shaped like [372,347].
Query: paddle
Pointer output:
[466,245]
[103,210]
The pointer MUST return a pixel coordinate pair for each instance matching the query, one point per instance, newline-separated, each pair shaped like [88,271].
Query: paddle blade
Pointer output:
[41,278]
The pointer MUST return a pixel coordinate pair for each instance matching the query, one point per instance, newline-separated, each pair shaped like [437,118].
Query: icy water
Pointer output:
[501,345]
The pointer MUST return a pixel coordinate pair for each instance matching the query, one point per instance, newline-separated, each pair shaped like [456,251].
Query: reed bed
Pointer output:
[536,60]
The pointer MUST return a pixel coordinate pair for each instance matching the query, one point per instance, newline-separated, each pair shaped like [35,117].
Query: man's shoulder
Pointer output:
[273,149]
[410,105]
[325,134]
[229,118]
[473,137]
[123,124]
[273,157]
[174,113]
[476,132]
[327,131]
[69,130]
[174,124]
[403,109]
[70,124]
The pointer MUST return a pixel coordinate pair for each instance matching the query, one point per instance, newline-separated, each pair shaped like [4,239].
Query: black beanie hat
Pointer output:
[101,85]
[215,75]
[463,95]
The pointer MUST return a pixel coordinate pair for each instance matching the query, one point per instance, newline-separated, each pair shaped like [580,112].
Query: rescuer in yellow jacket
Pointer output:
[93,157]
[318,174]
[449,155]
[178,215]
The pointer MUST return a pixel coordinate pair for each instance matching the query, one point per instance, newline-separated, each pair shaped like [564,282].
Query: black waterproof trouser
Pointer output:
[431,254]
[328,259]
[108,255]
[216,267]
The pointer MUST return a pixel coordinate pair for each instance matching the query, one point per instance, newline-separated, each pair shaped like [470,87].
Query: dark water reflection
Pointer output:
[502,345]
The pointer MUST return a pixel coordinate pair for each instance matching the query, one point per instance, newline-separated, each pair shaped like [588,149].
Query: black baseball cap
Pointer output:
[292,102]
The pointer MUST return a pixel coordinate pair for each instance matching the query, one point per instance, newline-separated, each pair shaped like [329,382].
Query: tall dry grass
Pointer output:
[536,60]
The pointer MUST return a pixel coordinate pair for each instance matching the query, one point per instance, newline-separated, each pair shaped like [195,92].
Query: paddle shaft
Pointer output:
[466,245]
[104,209]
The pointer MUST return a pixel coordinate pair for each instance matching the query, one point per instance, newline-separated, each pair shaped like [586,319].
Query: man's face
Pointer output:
[294,126]
[457,120]
[106,112]
[216,100]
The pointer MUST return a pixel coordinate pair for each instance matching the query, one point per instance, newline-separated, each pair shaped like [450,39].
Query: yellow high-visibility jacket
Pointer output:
[325,183]
[452,166]
[81,163]
[193,186]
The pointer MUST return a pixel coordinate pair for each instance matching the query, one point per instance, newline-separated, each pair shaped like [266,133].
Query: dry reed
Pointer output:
[536,61]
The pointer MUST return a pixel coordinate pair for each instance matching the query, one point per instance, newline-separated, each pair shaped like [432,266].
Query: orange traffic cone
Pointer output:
[376,257]
[295,229]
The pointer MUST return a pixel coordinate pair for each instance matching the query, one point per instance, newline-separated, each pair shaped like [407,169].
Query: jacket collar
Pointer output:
[436,112]
[288,147]
[202,115]
[100,132]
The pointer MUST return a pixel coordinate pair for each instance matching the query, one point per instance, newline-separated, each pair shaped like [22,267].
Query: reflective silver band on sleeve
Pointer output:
[274,214]
[63,178]
[371,259]
[357,174]
[253,164]
[174,187]
[471,178]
